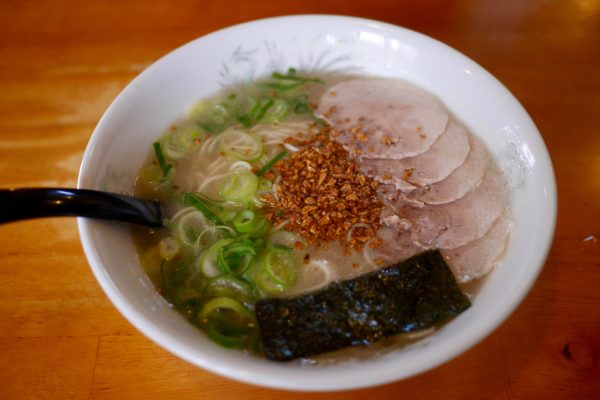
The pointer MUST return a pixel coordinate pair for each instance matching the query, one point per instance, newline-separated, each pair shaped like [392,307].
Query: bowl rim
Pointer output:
[310,382]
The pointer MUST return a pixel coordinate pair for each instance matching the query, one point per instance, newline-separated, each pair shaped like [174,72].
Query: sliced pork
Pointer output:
[447,154]
[383,118]
[460,182]
[440,188]
[455,224]
[479,257]
[396,246]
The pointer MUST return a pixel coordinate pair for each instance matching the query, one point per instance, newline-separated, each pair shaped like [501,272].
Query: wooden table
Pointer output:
[61,64]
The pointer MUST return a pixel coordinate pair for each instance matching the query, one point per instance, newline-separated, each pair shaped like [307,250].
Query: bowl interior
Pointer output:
[168,88]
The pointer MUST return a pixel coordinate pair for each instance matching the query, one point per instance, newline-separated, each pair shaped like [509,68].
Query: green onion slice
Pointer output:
[212,117]
[168,248]
[177,144]
[229,342]
[208,262]
[228,322]
[251,223]
[236,257]
[266,284]
[189,226]
[241,145]
[162,163]
[228,286]
[277,112]
[224,303]
[271,162]
[204,205]
[245,221]
[290,75]
[264,187]
[282,86]
[277,270]
[212,234]
[239,186]
[281,266]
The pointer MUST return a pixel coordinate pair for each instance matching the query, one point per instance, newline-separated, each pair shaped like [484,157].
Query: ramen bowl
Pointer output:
[167,89]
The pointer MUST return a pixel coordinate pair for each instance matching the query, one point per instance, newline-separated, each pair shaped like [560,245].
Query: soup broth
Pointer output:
[241,226]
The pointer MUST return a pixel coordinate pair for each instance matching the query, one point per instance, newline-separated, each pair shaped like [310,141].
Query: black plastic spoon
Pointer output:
[18,204]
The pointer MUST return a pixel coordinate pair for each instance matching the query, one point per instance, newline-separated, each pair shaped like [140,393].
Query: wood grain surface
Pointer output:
[61,64]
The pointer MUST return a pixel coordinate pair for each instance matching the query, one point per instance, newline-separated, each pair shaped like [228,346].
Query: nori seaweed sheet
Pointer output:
[415,294]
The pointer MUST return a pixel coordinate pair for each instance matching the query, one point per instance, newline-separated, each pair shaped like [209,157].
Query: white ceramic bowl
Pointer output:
[168,88]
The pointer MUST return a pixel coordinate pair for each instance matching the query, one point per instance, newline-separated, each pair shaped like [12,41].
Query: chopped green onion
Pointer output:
[251,223]
[245,221]
[223,254]
[219,303]
[168,248]
[188,226]
[280,266]
[217,119]
[177,144]
[166,168]
[246,118]
[300,104]
[272,162]
[241,145]
[291,76]
[266,284]
[288,81]
[277,113]
[208,260]
[212,234]
[282,87]
[236,257]
[256,112]
[263,109]
[245,109]
[264,187]
[228,286]
[229,342]
[201,204]
[239,186]
[228,322]
[277,270]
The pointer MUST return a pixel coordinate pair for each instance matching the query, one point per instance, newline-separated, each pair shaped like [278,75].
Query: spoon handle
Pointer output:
[17,204]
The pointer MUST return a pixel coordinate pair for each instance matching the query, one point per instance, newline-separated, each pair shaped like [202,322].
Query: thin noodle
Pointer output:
[212,144]
[212,229]
[211,179]
[206,145]
[273,142]
[182,212]
[291,148]
[240,165]
[275,185]
[281,225]
[419,334]
[199,176]
[325,281]
[367,253]
[357,225]
[218,162]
